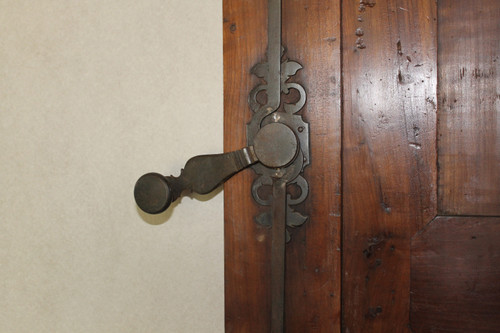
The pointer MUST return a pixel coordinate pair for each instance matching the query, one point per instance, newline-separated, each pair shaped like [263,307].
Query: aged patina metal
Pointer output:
[202,174]
[286,114]
[275,145]
[278,256]
[288,162]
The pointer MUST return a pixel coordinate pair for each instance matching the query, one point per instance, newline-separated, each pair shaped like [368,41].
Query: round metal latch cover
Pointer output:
[275,145]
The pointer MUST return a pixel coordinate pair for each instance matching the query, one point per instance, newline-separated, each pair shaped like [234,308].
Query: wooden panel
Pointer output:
[469,107]
[455,274]
[389,155]
[247,250]
[311,34]
[313,256]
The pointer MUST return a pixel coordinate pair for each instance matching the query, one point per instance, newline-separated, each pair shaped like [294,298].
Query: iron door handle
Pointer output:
[154,192]
[274,146]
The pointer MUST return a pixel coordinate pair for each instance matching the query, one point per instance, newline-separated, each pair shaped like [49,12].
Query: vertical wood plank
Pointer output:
[247,256]
[455,274]
[469,107]
[389,154]
[311,34]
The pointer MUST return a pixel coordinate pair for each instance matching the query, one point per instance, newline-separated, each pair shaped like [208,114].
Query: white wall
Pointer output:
[93,94]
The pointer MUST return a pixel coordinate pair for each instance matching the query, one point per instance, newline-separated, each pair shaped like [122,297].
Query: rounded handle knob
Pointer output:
[152,193]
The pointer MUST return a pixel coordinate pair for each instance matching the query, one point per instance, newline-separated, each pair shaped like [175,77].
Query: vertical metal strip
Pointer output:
[279,185]
[278,256]
[274,54]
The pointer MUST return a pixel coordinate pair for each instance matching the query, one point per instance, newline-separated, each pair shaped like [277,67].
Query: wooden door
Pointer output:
[404,204]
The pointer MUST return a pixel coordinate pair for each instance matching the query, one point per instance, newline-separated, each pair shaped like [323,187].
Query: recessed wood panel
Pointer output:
[469,107]
[389,155]
[455,276]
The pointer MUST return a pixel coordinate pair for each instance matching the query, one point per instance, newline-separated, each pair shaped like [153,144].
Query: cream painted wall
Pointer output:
[93,94]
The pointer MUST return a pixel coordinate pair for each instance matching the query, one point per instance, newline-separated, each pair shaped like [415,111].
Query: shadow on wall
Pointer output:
[166,215]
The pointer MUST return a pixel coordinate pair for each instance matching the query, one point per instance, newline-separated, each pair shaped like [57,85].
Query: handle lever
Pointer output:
[275,146]
[154,192]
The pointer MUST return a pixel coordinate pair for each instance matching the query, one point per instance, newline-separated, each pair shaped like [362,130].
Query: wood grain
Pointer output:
[469,107]
[389,55]
[247,245]
[311,34]
[455,274]
[389,155]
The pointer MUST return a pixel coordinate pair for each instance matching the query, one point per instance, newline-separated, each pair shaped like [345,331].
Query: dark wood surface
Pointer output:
[469,104]
[455,276]
[312,296]
[247,245]
[379,62]
[311,33]
[389,155]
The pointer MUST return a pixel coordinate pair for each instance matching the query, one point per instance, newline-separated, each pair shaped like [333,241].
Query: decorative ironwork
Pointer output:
[273,111]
